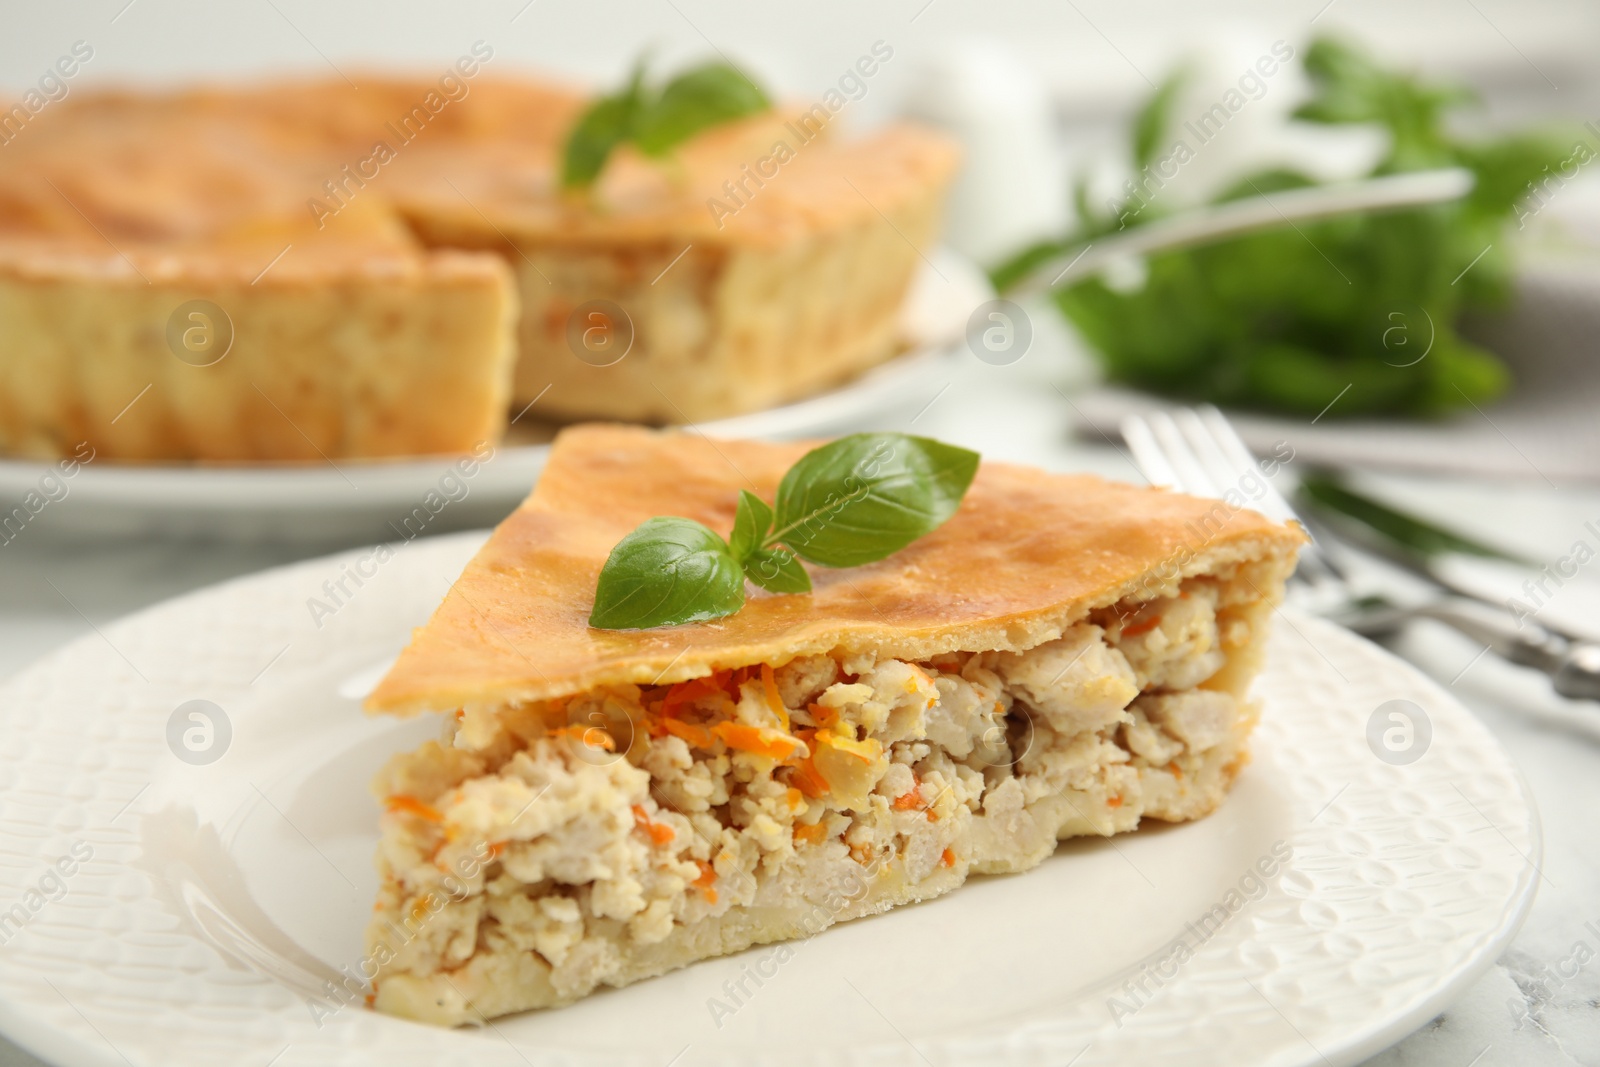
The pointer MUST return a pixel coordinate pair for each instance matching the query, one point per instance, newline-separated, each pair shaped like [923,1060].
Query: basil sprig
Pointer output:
[854,501]
[657,121]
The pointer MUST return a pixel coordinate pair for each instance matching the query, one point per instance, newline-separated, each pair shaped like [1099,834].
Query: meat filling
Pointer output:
[585,829]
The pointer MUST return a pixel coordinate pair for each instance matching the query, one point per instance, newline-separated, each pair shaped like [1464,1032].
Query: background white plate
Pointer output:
[220,899]
[369,500]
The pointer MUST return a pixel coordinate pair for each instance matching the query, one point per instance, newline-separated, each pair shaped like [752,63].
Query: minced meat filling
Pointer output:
[629,810]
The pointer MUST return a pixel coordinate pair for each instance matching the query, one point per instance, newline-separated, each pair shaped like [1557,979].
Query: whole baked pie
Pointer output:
[304,271]
[1063,656]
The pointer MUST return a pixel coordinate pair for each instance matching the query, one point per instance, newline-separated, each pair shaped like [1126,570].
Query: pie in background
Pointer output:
[349,338]
[396,278]
[1064,656]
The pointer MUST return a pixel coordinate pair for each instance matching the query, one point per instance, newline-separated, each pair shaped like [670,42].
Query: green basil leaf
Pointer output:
[1154,120]
[600,130]
[693,101]
[610,121]
[777,571]
[866,496]
[750,525]
[667,571]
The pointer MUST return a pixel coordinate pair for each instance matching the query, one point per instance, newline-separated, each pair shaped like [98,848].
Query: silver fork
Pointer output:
[1197,451]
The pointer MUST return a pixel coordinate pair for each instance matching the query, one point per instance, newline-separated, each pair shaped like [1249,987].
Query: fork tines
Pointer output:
[1197,451]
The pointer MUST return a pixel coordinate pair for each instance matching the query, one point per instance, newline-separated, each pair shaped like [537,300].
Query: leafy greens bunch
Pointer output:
[854,501]
[656,120]
[1285,319]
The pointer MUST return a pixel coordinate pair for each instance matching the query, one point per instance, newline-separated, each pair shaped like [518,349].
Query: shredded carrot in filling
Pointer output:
[911,801]
[824,716]
[412,806]
[708,876]
[694,689]
[1113,802]
[1142,627]
[745,738]
[769,686]
[660,833]
[1177,771]
[814,834]
[497,847]
[590,736]
[947,858]
[697,736]
[922,675]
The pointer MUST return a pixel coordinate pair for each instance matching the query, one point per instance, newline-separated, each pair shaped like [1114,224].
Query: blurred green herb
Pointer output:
[1329,492]
[856,500]
[656,120]
[1287,319]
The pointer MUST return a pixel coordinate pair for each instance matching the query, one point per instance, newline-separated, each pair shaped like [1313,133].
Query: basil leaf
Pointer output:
[693,101]
[777,571]
[667,571]
[609,122]
[750,525]
[866,496]
[1154,120]
[1287,319]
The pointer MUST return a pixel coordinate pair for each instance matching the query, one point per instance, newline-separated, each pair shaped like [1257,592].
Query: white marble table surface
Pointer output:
[1536,1006]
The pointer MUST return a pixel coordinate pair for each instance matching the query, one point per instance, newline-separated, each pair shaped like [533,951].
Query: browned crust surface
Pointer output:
[1027,554]
[117,207]
[203,181]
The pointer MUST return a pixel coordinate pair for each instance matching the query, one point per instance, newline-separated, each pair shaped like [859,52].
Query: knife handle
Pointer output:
[1573,665]
[1578,674]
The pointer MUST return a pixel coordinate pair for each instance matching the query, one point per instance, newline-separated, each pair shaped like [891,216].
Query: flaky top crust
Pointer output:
[1027,554]
[212,184]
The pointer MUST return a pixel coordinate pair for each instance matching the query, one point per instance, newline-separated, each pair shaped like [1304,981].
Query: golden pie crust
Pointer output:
[1027,554]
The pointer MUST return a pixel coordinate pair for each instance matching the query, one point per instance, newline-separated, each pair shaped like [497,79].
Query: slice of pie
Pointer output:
[1064,656]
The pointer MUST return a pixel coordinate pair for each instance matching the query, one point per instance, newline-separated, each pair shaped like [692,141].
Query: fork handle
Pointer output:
[1573,666]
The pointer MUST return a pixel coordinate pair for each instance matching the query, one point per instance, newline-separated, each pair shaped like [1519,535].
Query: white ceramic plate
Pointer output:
[373,500]
[202,911]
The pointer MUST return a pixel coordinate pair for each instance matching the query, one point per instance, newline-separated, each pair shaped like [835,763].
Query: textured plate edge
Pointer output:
[1362,1047]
